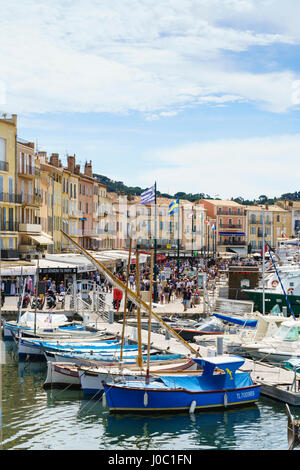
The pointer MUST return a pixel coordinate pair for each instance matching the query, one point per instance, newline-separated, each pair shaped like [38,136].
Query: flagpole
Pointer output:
[263,270]
[155,244]
[178,241]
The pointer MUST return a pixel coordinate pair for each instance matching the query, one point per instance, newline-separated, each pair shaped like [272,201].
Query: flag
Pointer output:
[148,195]
[173,207]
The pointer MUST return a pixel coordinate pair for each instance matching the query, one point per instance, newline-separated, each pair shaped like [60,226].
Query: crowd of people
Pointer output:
[170,284]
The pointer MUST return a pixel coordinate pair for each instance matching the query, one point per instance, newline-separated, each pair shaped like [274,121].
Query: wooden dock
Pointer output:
[276,382]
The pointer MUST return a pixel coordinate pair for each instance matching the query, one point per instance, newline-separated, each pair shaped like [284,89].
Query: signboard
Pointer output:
[58,270]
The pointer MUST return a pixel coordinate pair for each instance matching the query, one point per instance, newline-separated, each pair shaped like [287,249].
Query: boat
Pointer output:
[274,295]
[209,326]
[281,347]
[220,385]
[266,326]
[89,376]
[41,322]
[28,347]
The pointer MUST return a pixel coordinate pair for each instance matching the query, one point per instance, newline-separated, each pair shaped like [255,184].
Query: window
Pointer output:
[2,150]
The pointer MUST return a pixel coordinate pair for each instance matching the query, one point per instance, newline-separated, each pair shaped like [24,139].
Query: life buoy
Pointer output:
[290,291]
[274,283]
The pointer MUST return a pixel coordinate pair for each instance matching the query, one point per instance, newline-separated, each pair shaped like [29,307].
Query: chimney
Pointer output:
[77,170]
[42,156]
[54,160]
[88,169]
[71,163]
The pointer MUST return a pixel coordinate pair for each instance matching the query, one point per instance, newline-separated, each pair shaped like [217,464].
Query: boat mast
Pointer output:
[263,266]
[125,298]
[138,293]
[131,295]
[149,322]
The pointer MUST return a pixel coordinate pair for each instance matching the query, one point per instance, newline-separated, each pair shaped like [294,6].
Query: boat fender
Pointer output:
[104,402]
[274,283]
[225,400]
[192,407]
[290,291]
[145,399]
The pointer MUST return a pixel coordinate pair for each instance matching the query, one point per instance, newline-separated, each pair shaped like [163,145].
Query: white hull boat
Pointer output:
[89,379]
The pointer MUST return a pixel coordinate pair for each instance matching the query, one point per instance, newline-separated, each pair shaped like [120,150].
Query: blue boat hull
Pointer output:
[131,399]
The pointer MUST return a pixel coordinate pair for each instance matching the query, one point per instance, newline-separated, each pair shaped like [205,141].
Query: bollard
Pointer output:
[219,346]
[111,317]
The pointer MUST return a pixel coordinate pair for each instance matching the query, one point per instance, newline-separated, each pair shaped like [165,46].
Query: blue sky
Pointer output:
[198,95]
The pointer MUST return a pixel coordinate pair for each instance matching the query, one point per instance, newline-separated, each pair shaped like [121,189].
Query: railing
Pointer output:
[30,198]
[10,197]
[29,170]
[9,226]
[233,213]
[234,243]
[230,226]
[9,254]
[259,222]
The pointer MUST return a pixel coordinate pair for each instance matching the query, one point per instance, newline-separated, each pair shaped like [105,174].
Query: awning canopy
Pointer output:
[41,239]
[232,234]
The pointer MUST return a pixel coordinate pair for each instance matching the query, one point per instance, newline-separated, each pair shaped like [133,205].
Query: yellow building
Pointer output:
[277,222]
[30,228]
[9,197]
[54,170]
[74,213]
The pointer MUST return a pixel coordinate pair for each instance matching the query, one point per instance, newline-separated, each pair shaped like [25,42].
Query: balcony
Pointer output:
[30,228]
[10,198]
[31,199]
[28,170]
[230,213]
[234,226]
[3,165]
[9,254]
[9,226]
[259,222]
[232,243]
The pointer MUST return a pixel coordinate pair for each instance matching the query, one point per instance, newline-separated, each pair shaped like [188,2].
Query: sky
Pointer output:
[197,95]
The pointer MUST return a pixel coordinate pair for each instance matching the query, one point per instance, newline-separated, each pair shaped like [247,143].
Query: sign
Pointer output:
[57,270]
[169,247]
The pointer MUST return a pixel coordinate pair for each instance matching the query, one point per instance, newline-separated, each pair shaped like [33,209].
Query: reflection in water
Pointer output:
[203,426]
[62,419]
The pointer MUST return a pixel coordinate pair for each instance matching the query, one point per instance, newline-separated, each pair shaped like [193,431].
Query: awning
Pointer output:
[42,239]
[232,234]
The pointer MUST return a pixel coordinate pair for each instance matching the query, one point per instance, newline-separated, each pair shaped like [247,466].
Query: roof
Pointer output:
[221,202]
[272,208]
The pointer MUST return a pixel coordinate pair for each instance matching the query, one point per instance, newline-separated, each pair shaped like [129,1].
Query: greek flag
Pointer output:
[173,207]
[148,196]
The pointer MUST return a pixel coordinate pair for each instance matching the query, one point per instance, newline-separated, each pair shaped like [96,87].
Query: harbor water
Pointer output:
[36,419]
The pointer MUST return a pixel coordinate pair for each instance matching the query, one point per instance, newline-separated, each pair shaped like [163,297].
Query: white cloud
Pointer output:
[139,55]
[231,168]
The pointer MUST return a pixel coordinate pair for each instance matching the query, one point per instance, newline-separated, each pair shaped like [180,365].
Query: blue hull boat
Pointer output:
[220,388]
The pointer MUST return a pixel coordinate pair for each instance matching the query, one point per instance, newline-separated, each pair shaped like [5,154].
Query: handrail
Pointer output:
[131,295]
